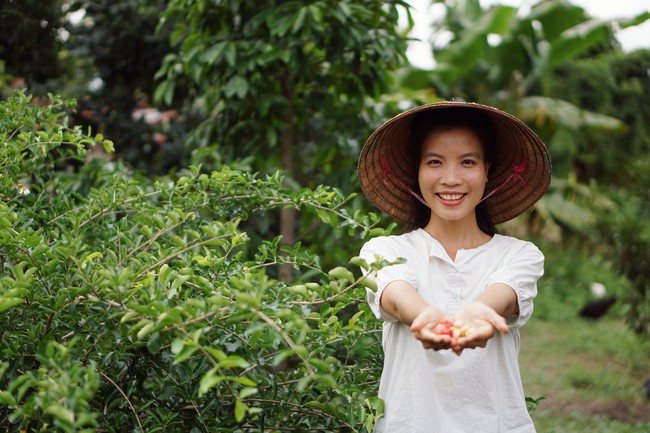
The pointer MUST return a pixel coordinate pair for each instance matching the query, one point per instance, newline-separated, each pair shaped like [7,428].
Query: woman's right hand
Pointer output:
[423,329]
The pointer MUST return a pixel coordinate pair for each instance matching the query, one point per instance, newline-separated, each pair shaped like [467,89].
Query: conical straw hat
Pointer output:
[517,146]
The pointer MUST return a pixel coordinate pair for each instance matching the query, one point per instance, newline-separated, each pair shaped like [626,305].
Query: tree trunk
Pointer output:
[287,216]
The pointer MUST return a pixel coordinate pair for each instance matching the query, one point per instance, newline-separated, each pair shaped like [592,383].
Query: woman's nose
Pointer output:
[450,176]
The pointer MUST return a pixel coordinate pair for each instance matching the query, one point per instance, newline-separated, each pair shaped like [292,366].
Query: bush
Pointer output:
[570,270]
[133,304]
[623,225]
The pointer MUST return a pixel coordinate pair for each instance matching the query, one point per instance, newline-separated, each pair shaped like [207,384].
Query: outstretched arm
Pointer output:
[486,315]
[502,298]
[402,301]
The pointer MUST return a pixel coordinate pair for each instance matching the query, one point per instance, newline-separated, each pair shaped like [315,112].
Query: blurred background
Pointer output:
[174,83]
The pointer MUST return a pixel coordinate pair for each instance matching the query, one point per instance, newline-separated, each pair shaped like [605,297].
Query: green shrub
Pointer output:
[569,271]
[131,304]
[623,225]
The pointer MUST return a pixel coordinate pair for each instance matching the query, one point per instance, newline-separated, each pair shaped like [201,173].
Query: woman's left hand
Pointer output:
[484,322]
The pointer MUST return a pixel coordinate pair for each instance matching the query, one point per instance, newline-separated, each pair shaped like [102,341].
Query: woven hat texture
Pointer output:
[515,143]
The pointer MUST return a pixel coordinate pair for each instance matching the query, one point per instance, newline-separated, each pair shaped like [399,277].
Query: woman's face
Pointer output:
[452,174]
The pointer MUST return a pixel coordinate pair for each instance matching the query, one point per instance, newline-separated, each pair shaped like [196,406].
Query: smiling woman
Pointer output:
[451,171]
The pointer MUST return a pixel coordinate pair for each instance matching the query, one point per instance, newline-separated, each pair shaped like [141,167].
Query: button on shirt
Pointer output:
[427,391]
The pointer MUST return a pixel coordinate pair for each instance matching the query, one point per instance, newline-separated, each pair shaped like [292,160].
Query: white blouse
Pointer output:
[427,391]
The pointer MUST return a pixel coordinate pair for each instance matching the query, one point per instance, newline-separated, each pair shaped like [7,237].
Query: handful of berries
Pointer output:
[455,330]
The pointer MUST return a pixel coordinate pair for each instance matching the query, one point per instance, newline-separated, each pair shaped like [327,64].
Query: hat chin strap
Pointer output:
[516,174]
[386,172]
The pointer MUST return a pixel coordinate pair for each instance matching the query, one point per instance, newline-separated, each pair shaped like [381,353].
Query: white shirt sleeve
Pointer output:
[521,270]
[383,249]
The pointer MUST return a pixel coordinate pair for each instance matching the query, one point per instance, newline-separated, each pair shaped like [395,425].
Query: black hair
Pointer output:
[429,121]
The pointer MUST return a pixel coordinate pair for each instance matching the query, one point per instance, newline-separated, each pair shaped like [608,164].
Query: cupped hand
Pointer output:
[483,320]
[423,329]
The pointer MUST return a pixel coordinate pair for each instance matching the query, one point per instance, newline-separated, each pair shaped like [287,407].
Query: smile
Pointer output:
[451,197]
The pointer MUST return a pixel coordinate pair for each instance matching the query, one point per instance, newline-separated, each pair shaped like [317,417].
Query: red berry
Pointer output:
[442,328]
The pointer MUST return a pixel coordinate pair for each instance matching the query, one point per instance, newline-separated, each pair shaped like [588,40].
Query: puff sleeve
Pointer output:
[385,248]
[521,270]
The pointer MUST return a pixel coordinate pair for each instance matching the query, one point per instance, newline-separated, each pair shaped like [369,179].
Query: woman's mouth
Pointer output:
[450,196]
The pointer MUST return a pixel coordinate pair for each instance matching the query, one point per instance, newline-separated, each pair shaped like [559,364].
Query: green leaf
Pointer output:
[214,53]
[109,146]
[369,283]
[231,54]
[165,92]
[186,352]
[233,361]
[179,281]
[577,40]
[299,19]
[360,262]
[247,392]
[177,345]
[218,355]
[153,344]
[316,13]
[145,330]
[281,26]
[61,413]
[240,410]
[129,315]
[634,21]
[341,273]
[245,381]
[237,85]
[7,399]
[90,257]
[7,303]
[210,380]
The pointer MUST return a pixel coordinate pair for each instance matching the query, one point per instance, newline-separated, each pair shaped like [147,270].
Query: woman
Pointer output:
[451,171]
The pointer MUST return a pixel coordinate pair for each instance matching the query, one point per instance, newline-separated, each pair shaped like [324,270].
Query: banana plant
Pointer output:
[505,48]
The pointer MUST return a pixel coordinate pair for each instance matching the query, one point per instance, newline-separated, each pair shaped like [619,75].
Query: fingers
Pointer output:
[427,334]
[431,340]
[420,322]
[471,342]
[426,317]
[431,337]
[475,325]
[500,324]
[436,346]
[497,322]
[478,312]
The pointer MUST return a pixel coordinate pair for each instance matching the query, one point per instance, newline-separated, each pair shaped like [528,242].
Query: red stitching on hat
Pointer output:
[386,171]
[516,174]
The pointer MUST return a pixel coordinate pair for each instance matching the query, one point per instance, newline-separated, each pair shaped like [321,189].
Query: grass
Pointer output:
[590,373]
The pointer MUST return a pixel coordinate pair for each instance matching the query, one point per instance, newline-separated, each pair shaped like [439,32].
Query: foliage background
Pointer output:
[131,304]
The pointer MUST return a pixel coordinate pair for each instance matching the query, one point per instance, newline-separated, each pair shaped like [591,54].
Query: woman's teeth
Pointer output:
[450,196]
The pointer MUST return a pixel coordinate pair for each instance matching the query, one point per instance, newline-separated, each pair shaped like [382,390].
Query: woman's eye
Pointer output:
[469,162]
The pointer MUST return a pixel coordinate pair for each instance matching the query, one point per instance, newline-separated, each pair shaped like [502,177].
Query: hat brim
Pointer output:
[516,144]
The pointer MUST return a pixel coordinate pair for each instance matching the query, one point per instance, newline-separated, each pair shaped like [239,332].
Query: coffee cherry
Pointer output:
[456,329]
[442,329]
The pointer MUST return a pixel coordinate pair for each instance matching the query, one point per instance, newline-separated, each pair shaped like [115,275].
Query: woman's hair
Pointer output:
[428,122]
